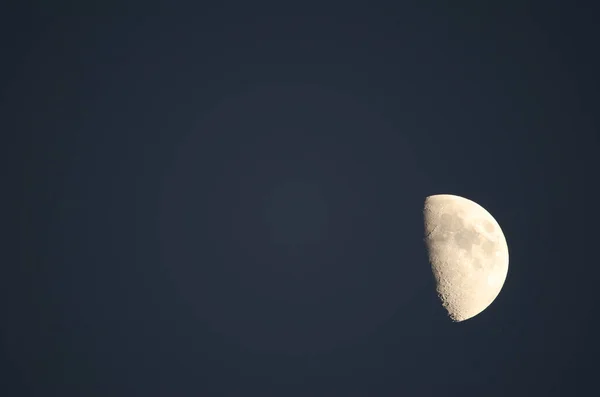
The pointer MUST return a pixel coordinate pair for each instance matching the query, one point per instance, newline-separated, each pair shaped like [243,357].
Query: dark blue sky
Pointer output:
[227,201]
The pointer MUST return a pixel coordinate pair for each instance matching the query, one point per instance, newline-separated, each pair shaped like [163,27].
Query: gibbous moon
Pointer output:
[467,252]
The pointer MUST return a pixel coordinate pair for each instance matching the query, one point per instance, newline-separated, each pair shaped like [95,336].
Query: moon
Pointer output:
[468,254]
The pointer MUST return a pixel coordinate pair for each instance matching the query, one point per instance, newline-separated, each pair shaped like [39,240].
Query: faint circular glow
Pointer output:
[272,220]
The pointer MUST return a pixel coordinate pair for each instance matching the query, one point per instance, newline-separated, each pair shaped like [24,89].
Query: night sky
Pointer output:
[228,201]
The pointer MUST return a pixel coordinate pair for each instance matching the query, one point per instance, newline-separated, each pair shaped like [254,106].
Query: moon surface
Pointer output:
[467,252]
